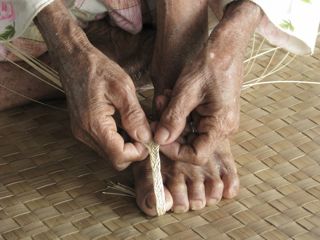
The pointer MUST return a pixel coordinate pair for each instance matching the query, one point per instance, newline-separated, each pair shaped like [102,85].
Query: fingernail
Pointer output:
[162,135]
[196,204]
[143,135]
[179,209]
[212,201]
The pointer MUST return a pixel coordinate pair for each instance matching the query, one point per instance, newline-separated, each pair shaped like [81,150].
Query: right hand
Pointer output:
[97,88]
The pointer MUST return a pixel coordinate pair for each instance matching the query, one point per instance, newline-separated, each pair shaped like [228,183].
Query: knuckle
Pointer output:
[134,115]
[123,88]
[173,117]
[96,127]
[200,160]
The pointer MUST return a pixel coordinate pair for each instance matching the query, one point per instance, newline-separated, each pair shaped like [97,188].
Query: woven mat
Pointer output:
[51,186]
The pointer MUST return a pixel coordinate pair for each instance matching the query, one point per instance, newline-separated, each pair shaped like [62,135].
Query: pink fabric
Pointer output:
[126,14]
[6,10]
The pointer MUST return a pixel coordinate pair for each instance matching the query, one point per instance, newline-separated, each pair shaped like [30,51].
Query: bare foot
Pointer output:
[189,187]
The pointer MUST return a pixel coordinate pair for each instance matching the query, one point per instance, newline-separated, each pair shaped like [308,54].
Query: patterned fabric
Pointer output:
[16,20]
[291,24]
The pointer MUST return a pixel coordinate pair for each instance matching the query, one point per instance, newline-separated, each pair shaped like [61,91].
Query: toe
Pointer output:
[230,178]
[178,189]
[231,183]
[145,197]
[214,190]
[148,203]
[228,170]
[197,196]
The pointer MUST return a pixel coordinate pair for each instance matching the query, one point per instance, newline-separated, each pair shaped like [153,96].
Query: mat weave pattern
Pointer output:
[51,186]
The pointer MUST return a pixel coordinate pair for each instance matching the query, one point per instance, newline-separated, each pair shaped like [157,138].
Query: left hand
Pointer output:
[208,90]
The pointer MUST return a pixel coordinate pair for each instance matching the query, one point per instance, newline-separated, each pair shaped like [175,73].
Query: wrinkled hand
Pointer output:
[97,88]
[208,92]
[208,89]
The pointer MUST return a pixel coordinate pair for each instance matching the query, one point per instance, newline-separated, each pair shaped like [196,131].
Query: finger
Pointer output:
[104,132]
[185,99]
[133,118]
[198,152]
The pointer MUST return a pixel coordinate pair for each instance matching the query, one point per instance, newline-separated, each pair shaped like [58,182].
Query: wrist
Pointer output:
[61,33]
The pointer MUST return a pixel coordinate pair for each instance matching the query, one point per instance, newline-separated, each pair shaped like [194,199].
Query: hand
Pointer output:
[96,89]
[208,89]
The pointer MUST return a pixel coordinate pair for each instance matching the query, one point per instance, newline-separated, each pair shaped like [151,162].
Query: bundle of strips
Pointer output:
[259,49]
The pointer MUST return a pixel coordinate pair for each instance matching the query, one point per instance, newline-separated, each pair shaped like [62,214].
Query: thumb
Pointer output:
[173,120]
[133,118]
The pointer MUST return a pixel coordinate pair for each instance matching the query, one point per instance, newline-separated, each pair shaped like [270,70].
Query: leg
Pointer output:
[181,33]
[182,30]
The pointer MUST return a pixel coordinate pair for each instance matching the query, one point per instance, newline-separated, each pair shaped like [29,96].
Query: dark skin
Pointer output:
[204,85]
[102,88]
[208,88]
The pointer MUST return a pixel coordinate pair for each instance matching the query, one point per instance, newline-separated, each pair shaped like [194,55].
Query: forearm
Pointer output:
[61,33]
[240,20]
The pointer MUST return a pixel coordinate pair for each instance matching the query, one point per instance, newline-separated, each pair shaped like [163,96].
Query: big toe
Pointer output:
[145,196]
[147,202]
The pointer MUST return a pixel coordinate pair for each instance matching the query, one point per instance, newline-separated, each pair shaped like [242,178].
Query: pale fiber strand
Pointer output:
[33,59]
[43,69]
[281,81]
[274,70]
[35,75]
[248,61]
[158,188]
[253,46]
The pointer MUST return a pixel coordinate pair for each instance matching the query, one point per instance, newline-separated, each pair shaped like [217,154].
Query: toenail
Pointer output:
[196,204]
[149,201]
[212,201]
[179,209]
